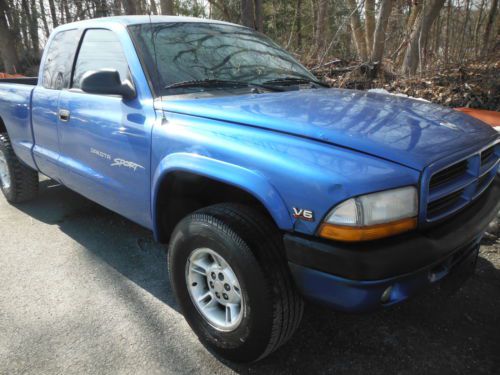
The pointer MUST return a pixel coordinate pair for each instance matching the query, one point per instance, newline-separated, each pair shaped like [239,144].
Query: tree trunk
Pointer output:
[357,30]
[489,25]
[33,28]
[321,26]
[259,17]
[410,24]
[53,14]
[24,24]
[7,42]
[447,40]
[117,7]
[101,8]
[298,22]
[222,8]
[65,11]
[79,11]
[247,13]
[43,16]
[419,36]
[130,6]
[369,24]
[477,27]
[463,43]
[380,31]
[167,7]
[154,8]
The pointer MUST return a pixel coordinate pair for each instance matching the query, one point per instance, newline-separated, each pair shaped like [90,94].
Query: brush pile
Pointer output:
[476,85]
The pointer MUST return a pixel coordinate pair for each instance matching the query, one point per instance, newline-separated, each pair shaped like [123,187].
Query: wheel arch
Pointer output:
[183,183]
[3,127]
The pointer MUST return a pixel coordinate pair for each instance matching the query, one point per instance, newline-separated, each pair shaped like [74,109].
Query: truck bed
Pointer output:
[15,114]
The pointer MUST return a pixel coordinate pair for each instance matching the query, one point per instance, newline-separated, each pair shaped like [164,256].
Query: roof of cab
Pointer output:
[135,20]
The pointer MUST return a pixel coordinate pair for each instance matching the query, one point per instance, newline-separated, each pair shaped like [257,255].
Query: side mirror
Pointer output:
[107,82]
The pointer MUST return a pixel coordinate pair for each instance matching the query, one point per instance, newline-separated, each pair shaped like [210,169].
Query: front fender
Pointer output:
[234,175]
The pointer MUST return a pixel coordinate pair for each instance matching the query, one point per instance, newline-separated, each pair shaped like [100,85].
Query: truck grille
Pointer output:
[486,155]
[449,174]
[455,186]
[444,204]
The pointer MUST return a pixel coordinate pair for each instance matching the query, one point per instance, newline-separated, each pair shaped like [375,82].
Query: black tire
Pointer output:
[253,247]
[23,180]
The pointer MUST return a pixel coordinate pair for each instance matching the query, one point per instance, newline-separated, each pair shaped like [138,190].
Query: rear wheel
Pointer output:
[18,182]
[230,276]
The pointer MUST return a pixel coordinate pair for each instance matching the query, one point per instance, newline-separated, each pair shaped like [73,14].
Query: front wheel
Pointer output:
[229,274]
[18,182]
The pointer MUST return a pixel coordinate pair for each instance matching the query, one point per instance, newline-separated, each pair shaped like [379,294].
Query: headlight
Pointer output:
[372,216]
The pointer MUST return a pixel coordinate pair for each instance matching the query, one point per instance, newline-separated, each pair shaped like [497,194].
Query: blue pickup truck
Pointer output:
[268,187]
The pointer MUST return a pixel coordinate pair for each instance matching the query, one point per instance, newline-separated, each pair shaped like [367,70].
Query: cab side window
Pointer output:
[59,60]
[100,49]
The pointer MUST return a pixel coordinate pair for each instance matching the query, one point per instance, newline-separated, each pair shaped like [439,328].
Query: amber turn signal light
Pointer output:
[354,234]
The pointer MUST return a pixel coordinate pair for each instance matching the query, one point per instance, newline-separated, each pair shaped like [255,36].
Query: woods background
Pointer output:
[413,46]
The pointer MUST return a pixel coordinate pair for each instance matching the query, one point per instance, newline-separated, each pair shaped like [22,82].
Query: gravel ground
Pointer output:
[84,291]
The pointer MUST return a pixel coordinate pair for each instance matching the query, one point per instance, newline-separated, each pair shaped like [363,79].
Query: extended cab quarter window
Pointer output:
[59,60]
[100,49]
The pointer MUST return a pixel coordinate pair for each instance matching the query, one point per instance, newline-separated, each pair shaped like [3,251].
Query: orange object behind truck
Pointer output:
[6,75]
[490,117]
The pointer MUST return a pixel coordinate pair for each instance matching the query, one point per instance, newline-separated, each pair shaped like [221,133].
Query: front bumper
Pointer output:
[353,277]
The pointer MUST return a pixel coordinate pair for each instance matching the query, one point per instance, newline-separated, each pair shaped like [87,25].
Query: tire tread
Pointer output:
[265,241]
[24,180]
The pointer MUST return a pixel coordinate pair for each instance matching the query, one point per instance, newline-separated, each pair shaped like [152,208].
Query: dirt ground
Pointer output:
[83,290]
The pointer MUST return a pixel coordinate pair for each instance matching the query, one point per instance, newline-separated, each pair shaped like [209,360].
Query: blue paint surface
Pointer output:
[310,149]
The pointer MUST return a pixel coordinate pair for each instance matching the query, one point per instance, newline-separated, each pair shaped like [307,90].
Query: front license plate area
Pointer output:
[460,272]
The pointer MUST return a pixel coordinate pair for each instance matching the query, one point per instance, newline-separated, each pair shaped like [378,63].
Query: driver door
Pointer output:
[105,140]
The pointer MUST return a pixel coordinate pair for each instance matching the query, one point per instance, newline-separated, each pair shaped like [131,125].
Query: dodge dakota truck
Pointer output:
[268,187]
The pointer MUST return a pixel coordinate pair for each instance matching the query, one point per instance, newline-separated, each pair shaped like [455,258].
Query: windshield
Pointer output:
[190,52]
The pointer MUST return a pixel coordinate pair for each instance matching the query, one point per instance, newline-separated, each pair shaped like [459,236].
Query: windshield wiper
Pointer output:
[293,81]
[217,83]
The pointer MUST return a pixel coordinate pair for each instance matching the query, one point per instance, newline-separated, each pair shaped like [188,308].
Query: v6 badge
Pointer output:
[302,214]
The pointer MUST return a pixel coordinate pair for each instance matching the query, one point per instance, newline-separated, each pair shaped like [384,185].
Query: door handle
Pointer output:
[64,115]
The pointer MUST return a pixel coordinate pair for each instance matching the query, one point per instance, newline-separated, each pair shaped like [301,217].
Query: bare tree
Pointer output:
[357,30]
[248,13]
[419,36]
[130,6]
[7,45]
[43,17]
[167,6]
[369,24]
[321,26]
[380,31]
[489,25]
[416,7]
[154,8]
[53,14]
[259,17]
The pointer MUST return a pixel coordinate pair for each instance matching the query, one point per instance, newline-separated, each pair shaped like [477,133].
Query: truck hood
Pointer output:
[410,132]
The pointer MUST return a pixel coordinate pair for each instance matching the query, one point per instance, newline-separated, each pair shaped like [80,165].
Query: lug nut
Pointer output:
[217,294]
[211,284]
[213,275]
[221,276]
[227,287]
[225,296]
